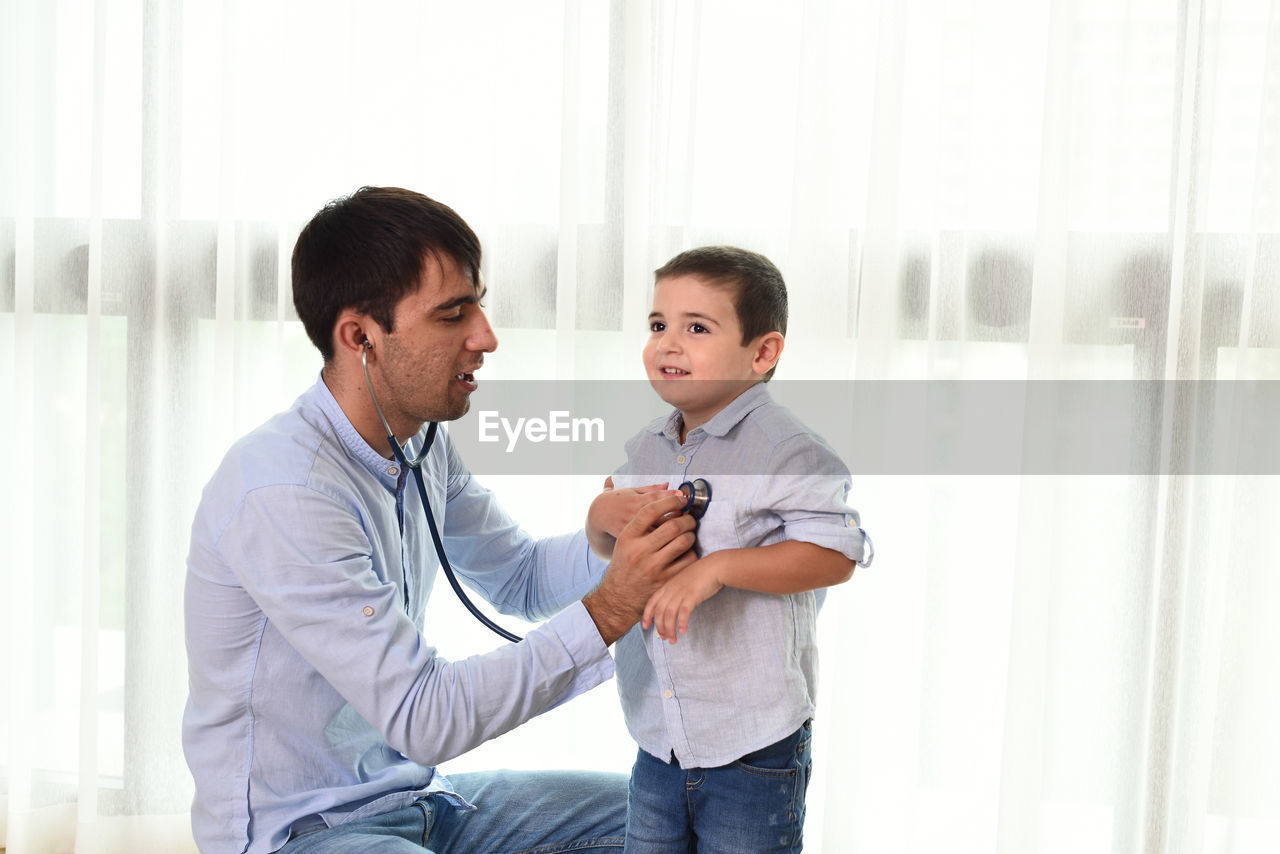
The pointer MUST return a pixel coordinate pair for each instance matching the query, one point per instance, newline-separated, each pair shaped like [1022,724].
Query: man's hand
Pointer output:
[669,608]
[645,558]
[612,510]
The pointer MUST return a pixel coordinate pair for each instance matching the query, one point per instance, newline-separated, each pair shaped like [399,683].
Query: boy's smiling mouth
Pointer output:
[672,372]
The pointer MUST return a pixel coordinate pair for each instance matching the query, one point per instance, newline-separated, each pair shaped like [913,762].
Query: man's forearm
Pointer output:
[613,619]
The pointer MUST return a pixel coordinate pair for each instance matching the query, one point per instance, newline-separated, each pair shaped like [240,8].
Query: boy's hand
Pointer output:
[613,509]
[655,546]
[669,608]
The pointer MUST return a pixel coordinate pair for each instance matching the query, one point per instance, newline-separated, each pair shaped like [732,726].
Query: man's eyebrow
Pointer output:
[468,299]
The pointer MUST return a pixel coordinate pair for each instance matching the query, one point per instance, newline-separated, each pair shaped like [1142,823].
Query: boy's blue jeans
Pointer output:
[755,804]
[549,812]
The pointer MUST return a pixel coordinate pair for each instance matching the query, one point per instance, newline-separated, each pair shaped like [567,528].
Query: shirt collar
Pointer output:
[724,420]
[387,470]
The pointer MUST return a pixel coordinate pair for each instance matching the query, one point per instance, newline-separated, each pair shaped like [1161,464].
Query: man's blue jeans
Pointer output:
[755,804]
[548,812]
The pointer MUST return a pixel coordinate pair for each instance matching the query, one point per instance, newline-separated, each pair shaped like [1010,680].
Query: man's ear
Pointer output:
[355,331]
[766,350]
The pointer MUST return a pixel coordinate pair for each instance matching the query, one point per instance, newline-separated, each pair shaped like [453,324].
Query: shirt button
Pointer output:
[680,459]
[666,694]
[393,470]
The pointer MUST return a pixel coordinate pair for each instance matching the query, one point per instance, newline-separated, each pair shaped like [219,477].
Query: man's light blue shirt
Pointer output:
[314,695]
[745,674]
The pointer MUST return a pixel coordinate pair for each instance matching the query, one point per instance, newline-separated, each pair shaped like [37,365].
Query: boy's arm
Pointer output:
[791,566]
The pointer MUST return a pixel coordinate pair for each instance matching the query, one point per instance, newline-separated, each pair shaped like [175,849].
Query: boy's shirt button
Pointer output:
[680,459]
[667,694]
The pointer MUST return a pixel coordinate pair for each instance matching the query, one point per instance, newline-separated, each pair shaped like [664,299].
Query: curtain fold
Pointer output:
[978,191]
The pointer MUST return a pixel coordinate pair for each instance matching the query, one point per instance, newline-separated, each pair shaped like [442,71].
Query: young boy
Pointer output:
[720,701]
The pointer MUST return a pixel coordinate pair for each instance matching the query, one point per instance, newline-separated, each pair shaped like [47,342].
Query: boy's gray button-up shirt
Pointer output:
[745,674]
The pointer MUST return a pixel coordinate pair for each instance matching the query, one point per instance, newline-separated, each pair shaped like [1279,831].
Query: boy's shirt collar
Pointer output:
[723,421]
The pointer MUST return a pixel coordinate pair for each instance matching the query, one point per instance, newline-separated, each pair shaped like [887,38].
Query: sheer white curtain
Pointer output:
[969,190]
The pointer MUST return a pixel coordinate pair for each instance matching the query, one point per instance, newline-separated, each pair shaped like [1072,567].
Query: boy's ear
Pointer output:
[767,348]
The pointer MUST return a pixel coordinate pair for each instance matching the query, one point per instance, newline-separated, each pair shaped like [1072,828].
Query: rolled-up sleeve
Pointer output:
[807,487]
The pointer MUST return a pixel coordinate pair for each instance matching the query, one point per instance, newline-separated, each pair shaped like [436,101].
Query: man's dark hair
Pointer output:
[759,293]
[366,252]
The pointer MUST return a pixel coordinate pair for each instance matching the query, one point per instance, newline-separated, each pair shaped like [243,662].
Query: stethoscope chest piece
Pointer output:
[697,495]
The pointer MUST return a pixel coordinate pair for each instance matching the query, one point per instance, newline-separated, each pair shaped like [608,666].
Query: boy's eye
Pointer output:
[698,328]
[657,326]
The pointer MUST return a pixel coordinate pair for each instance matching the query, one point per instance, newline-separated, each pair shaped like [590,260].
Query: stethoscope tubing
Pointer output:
[416,467]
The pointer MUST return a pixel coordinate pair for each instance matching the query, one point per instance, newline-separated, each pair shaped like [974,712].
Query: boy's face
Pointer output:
[695,358]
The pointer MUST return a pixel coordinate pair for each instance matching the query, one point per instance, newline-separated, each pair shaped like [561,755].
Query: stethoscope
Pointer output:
[415,465]
[697,498]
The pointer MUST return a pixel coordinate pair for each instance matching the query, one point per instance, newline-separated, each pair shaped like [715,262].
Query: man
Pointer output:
[317,705]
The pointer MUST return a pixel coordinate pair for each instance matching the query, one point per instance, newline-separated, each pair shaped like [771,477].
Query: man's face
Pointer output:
[695,357]
[427,364]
